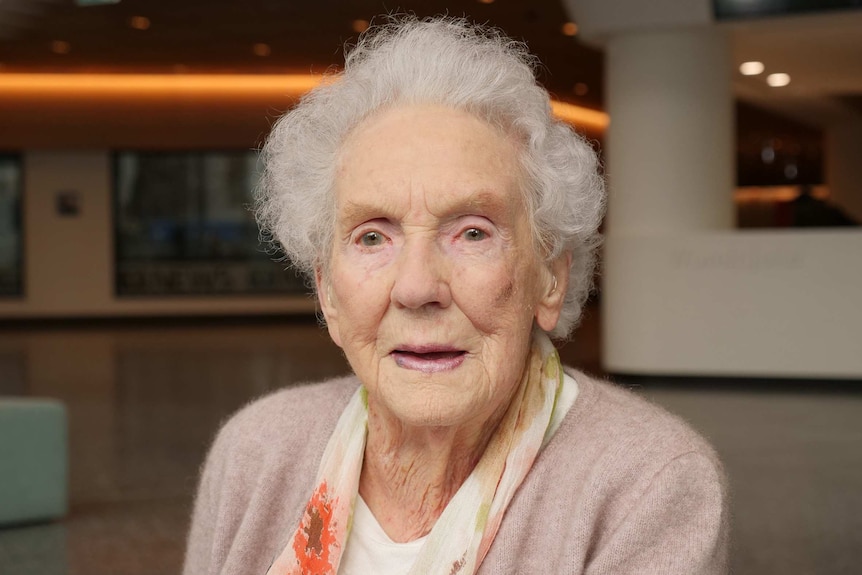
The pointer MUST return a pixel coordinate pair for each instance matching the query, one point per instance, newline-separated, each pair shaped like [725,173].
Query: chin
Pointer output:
[418,399]
[419,413]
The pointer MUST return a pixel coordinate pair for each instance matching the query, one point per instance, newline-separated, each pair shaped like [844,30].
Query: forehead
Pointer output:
[436,154]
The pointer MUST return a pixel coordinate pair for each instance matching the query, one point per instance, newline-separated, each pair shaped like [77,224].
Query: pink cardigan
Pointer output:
[622,488]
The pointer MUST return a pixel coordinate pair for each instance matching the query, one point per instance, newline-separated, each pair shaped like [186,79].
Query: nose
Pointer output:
[421,276]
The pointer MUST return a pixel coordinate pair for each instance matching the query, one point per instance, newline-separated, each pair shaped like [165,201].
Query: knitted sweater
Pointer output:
[623,487]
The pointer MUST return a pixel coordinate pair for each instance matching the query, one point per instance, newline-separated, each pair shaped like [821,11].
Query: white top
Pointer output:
[369,549]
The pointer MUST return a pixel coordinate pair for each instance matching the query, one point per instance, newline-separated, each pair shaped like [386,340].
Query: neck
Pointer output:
[410,474]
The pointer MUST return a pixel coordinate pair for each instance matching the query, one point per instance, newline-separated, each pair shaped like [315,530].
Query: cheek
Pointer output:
[506,294]
[360,297]
[494,298]
[355,273]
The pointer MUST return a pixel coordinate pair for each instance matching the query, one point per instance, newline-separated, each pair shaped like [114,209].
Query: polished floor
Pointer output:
[145,399]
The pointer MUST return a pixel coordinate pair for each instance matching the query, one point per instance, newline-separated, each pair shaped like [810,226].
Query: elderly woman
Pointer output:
[449,223]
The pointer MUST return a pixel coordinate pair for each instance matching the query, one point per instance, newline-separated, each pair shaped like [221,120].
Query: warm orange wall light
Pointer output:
[157,84]
[578,116]
[211,85]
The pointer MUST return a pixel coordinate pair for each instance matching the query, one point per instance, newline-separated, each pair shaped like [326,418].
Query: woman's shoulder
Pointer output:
[622,440]
[303,399]
[299,417]
[607,412]
[258,473]
[621,478]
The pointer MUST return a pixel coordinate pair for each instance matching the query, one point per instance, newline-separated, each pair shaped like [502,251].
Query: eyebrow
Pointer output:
[481,202]
[354,212]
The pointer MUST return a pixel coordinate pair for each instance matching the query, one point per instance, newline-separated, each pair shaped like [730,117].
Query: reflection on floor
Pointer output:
[145,400]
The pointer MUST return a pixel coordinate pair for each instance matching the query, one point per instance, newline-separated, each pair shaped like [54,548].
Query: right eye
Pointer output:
[371,239]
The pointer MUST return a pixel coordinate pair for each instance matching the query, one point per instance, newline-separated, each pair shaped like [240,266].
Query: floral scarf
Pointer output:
[463,533]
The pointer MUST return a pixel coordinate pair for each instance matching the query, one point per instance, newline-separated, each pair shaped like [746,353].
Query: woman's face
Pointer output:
[434,284]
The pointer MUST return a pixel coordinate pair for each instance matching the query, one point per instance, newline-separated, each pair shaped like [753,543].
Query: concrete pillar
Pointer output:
[670,142]
[682,292]
[844,166]
[670,166]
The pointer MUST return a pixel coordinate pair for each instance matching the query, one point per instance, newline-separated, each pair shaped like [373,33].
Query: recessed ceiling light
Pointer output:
[778,80]
[570,29]
[60,47]
[581,89]
[752,68]
[360,26]
[139,22]
[486,1]
[261,49]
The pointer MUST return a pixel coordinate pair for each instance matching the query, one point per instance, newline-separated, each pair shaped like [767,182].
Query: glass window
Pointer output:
[10,225]
[183,226]
[742,9]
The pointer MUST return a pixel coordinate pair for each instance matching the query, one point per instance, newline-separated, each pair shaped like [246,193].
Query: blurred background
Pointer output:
[138,308]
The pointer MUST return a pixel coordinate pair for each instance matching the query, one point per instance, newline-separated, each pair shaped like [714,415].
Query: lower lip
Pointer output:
[428,363]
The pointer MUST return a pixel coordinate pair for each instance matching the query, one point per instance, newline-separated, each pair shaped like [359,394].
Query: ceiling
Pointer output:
[221,36]
[822,53]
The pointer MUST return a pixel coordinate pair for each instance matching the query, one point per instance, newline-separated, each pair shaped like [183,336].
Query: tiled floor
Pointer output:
[145,400]
[793,453]
[143,404]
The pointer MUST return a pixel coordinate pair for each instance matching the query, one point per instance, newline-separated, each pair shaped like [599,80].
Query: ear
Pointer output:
[549,306]
[327,304]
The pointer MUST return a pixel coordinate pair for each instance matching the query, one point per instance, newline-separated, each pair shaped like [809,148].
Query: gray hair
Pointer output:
[453,63]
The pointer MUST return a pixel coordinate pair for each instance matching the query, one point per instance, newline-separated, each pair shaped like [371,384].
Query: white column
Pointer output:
[844,166]
[670,142]
[682,292]
[670,166]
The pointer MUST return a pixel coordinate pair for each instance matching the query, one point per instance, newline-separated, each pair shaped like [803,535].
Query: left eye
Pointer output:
[474,234]
[371,239]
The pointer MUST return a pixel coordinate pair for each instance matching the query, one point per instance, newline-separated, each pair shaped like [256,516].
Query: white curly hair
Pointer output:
[449,62]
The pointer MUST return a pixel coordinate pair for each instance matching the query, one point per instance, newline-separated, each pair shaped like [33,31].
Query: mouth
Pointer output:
[428,359]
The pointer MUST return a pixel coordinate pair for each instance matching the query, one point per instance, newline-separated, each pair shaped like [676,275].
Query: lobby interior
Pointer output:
[717,308]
